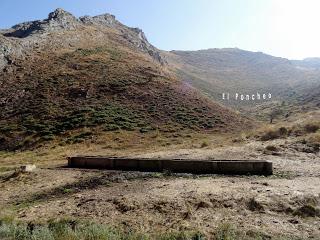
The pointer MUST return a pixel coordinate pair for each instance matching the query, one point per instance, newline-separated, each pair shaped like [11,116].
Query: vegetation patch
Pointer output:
[111,117]
[272,134]
[67,229]
[190,118]
[254,205]
[307,210]
[290,131]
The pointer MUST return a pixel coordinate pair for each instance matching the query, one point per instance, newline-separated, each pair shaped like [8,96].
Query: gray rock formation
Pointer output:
[57,20]
[140,41]
[8,51]
[134,35]
[105,19]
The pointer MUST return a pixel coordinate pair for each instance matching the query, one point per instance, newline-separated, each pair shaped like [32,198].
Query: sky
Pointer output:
[283,28]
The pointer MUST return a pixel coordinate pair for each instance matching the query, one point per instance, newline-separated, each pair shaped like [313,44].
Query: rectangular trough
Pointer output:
[236,167]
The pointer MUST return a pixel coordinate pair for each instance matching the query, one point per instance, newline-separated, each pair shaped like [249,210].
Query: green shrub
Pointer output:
[7,128]
[111,127]
[75,230]
[79,138]
[49,137]
[147,129]
[226,232]
[204,144]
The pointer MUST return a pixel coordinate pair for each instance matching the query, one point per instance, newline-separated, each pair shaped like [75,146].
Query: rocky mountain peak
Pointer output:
[57,20]
[59,13]
[40,32]
[62,19]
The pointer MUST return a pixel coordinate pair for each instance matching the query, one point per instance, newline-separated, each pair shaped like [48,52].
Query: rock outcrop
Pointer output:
[104,19]
[57,20]
[134,35]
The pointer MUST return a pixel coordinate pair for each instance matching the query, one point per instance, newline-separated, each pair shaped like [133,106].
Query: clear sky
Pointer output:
[284,28]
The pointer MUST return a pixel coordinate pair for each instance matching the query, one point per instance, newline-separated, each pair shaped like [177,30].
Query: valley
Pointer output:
[93,86]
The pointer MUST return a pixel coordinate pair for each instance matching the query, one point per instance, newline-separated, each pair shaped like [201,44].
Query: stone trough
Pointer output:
[234,167]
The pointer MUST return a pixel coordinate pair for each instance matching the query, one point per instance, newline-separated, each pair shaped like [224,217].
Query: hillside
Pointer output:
[217,71]
[308,63]
[91,86]
[70,79]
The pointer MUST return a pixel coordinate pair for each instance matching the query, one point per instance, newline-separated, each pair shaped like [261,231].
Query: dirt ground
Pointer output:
[286,203]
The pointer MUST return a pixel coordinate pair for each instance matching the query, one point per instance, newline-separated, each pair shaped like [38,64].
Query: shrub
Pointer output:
[254,205]
[226,231]
[72,230]
[283,131]
[147,129]
[315,138]
[271,148]
[111,127]
[7,129]
[270,135]
[79,138]
[128,126]
[307,211]
[312,127]
[49,137]
[204,144]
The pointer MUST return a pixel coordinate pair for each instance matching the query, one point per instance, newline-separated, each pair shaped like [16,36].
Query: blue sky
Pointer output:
[285,28]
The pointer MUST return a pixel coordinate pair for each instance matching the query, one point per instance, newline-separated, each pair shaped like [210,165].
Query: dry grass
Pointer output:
[120,143]
[315,138]
[308,128]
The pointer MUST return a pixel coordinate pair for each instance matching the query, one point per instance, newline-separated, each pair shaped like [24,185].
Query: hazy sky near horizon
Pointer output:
[283,28]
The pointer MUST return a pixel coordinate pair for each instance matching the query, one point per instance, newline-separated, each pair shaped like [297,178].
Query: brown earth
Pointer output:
[286,203]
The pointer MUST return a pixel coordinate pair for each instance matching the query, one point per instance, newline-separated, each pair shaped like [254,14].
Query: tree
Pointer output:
[274,113]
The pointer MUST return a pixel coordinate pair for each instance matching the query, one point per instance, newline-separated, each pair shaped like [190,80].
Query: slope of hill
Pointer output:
[308,63]
[74,78]
[217,71]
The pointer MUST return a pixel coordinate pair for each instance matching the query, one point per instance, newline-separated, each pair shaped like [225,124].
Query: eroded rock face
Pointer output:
[62,19]
[140,40]
[104,19]
[134,35]
[6,50]
[57,20]
[3,61]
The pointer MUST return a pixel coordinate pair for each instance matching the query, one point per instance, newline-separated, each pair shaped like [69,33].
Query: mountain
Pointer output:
[34,34]
[217,71]
[67,79]
[308,63]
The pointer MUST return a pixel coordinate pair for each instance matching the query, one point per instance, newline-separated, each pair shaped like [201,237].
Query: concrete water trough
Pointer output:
[236,167]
